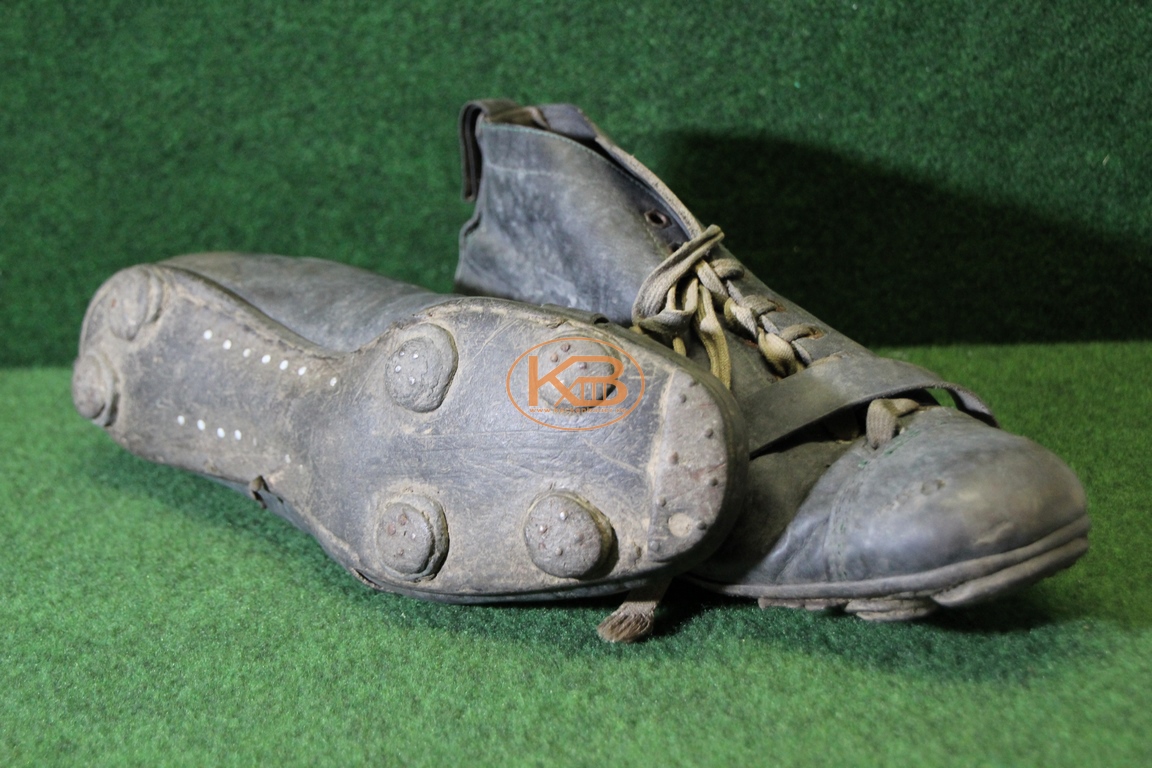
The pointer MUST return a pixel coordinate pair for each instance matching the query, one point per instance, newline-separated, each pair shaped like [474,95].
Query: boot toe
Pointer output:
[948,501]
[947,490]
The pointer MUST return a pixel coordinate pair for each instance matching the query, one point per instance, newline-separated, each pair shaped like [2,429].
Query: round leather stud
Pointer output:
[411,537]
[133,301]
[421,367]
[566,536]
[94,390]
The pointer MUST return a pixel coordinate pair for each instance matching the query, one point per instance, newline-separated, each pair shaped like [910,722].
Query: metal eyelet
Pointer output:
[657,219]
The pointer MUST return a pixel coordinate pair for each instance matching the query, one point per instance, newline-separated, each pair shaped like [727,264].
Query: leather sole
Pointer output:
[407,458]
[899,598]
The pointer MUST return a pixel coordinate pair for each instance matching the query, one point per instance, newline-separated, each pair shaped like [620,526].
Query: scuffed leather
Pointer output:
[333,305]
[556,223]
[564,216]
[946,489]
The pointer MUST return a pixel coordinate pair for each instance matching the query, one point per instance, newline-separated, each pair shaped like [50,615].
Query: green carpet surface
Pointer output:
[964,185]
[152,616]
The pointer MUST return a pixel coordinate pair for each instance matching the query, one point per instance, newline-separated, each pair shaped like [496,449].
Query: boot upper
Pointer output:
[564,216]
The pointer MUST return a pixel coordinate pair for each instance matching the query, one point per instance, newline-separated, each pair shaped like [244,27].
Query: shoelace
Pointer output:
[681,295]
[882,422]
[683,292]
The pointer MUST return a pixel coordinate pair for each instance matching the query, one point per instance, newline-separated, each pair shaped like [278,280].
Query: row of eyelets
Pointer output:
[236,434]
[202,426]
[284,365]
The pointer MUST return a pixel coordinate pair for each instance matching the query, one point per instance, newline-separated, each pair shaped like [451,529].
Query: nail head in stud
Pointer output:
[566,536]
[420,367]
[411,537]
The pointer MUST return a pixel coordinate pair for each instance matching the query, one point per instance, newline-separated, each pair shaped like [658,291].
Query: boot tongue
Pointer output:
[497,110]
[568,120]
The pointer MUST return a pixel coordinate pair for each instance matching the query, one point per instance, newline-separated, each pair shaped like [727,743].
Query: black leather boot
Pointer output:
[448,448]
[863,492]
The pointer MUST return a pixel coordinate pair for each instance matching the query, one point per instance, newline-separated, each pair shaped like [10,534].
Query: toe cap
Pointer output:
[946,490]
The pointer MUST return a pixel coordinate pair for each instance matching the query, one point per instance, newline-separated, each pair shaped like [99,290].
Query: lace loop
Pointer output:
[759,305]
[712,335]
[779,354]
[658,287]
[882,421]
[743,317]
[682,294]
[798,331]
[684,291]
[728,269]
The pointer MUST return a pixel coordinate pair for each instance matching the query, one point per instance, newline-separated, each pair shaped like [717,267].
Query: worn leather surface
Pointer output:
[336,306]
[564,216]
[557,222]
[946,484]
[377,417]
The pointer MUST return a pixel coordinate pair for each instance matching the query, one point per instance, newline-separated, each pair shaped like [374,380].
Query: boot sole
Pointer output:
[420,476]
[900,598]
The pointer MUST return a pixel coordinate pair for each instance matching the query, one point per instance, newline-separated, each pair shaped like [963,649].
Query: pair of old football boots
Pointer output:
[619,402]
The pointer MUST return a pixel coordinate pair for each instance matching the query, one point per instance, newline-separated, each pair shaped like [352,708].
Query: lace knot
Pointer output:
[683,293]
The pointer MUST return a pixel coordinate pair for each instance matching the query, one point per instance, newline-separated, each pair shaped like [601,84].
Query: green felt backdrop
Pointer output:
[965,185]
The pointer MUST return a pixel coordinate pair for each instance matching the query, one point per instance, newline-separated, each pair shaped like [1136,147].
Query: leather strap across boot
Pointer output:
[447,448]
[863,492]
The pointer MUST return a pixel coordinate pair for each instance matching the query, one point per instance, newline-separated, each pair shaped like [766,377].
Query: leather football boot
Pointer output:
[447,448]
[863,492]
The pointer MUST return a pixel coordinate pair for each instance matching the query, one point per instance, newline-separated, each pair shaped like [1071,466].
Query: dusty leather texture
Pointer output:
[565,216]
[556,222]
[942,484]
[378,418]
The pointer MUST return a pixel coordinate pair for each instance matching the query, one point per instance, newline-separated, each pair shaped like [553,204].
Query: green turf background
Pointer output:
[965,185]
